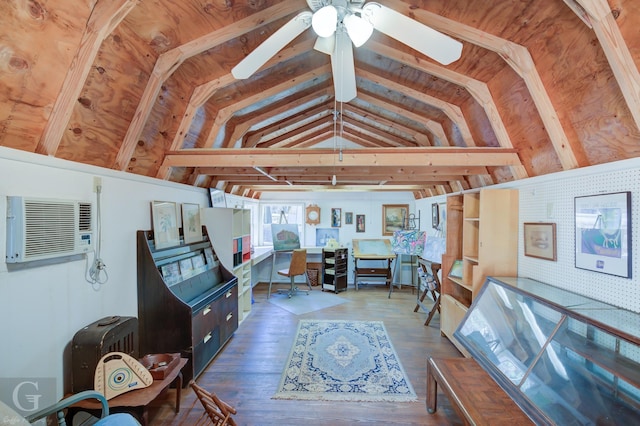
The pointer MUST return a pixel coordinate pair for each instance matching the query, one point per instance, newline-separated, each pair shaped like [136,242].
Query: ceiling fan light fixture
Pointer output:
[358,28]
[325,21]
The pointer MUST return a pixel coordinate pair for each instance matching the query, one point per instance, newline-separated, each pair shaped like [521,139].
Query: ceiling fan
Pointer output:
[338,24]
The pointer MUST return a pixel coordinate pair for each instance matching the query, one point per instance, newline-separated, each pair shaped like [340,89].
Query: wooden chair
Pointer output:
[297,266]
[218,411]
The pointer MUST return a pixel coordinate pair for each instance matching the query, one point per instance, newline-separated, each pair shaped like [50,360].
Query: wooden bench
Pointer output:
[474,395]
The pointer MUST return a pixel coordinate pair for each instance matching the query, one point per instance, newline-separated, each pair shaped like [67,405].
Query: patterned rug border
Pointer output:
[410,396]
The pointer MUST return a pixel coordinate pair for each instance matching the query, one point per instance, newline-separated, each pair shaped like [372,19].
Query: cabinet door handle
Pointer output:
[206,310]
[207,338]
[229,294]
[229,316]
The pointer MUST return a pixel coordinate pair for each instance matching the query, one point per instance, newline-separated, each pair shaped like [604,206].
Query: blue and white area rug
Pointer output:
[344,361]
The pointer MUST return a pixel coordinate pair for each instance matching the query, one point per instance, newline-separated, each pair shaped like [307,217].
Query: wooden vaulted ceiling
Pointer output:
[145,87]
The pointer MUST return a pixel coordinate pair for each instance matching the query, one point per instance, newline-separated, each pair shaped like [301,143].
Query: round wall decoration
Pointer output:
[313,214]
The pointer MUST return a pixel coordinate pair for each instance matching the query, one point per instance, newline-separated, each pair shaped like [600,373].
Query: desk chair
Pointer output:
[297,266]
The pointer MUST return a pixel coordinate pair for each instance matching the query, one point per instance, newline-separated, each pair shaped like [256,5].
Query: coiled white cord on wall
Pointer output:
[98,271]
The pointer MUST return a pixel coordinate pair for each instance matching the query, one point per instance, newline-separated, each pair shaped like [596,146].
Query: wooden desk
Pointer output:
[474,395]
[134,402]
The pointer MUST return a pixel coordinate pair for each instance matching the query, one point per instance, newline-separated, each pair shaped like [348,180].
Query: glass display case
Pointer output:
[564,358]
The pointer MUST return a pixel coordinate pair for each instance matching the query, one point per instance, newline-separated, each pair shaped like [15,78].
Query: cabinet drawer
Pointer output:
[205,349]
[204,320]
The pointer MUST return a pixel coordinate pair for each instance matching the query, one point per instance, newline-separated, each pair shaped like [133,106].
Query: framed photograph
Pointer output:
[360,223]
[603,233]
[456,269]
[336,218]
[348,218]
[395,217]
[191,227]
[435,215]
[164,215]
[540,240]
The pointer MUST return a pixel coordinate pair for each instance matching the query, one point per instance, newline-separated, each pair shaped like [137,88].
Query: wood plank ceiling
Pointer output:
[145,87]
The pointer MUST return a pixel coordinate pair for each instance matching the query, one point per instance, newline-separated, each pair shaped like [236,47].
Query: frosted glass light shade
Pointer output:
[359,29]
[324,21]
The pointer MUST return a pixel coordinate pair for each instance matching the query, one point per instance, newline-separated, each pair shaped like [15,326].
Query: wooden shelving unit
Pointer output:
[482,231]
[230,231]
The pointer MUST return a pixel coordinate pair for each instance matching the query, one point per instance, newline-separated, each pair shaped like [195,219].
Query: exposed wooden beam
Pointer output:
[617,52]
[105,16]
[431,156]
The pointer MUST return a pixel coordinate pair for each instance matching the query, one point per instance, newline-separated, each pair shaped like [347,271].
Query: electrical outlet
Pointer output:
[97,183]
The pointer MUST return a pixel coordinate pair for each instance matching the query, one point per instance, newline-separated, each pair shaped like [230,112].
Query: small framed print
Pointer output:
[348,218]
[435,215]
[540,240]
[164,216]
[336,218]
[360,223]
[191,227]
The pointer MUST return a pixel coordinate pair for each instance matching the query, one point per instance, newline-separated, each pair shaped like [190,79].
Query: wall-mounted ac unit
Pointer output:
[39,229]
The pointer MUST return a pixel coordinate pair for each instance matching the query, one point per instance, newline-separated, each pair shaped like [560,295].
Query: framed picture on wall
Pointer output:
[603,233]
[540,240]
[336,218]
[360,223]
[395,217]
[191,227]
[435,215]
[348,218]
[164,216]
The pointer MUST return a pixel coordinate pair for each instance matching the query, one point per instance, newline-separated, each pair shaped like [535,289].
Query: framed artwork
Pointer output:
[360,223]
[348,218]
[394,218]
[603,233]
[540,240]
[191,227]
[164,216]
[324,235]
[336,218]
[285,236]
[217,197]
[435,215]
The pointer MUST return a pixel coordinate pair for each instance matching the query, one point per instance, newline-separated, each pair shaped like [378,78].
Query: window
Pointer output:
[290,213]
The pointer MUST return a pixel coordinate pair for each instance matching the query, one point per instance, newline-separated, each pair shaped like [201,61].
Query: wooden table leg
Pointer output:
[432,390]
[178,391]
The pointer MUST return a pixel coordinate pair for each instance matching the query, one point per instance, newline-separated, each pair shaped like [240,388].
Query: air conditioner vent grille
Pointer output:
[49,228]
[84,221]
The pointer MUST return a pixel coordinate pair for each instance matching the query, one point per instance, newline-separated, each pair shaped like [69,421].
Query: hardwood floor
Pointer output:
[247,371]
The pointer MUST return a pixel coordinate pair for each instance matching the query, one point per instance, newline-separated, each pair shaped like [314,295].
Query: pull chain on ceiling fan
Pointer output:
[356,20]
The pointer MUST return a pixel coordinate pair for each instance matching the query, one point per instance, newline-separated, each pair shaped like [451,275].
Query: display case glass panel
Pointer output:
[562,359]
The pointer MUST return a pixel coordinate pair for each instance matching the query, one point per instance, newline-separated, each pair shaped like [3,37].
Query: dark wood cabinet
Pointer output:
[334,269]
[193,311]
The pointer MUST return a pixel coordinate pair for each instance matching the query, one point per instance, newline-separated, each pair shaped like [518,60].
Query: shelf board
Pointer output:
[473,259]
[460,283]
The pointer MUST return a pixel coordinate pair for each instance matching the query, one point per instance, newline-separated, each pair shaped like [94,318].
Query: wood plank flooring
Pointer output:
[247,371]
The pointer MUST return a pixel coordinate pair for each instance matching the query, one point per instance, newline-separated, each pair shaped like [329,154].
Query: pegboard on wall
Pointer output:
[552,200]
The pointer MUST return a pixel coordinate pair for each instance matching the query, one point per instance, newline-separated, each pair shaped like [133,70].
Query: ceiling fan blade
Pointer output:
[272,45]
[414,34]
[325,44]
[343,68]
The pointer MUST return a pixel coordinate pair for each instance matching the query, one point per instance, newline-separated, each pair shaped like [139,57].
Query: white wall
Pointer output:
[42,307]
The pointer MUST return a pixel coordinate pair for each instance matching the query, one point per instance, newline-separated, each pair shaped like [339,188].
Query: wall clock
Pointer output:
[313,214]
